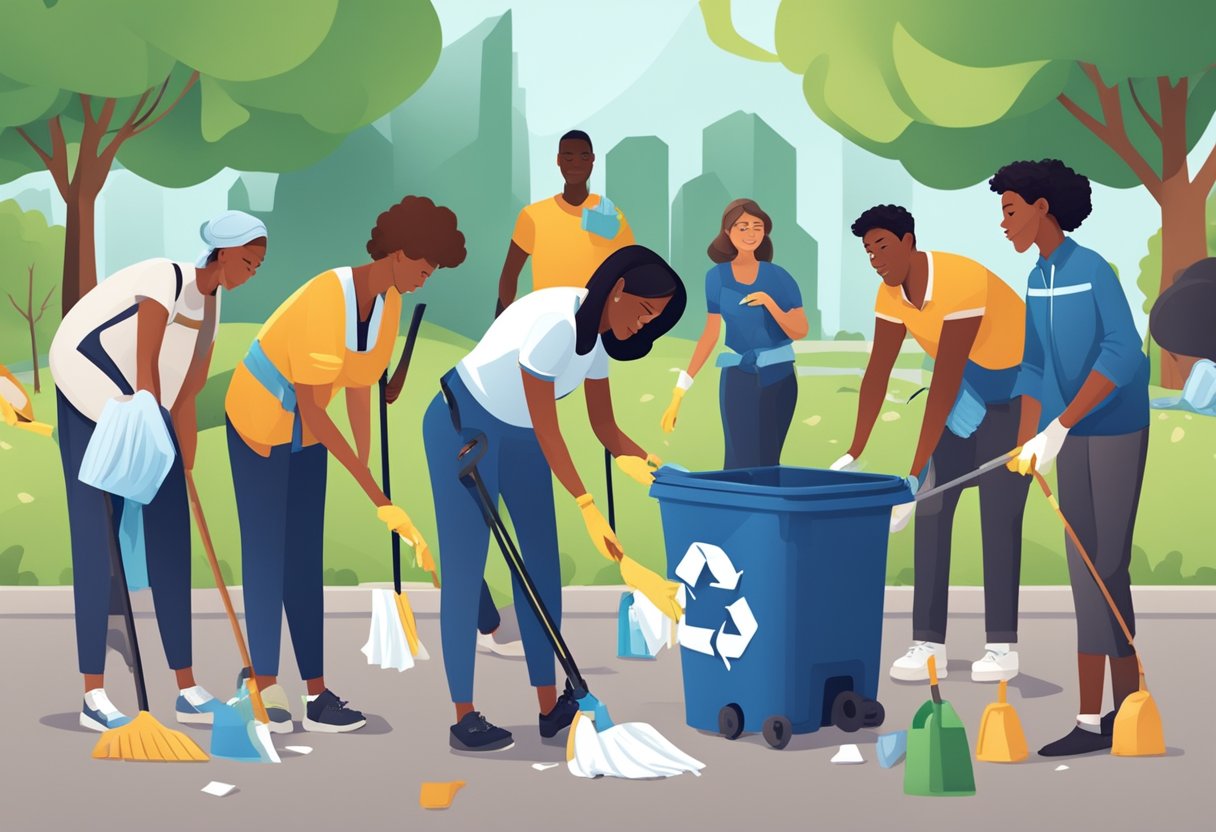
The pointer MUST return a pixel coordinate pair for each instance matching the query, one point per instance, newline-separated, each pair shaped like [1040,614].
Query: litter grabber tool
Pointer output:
[235,733]
[990,465]
[16,407]
[144,738]
[1001,738]
[939,759]
[393,642]
[1138,731]
[596,745]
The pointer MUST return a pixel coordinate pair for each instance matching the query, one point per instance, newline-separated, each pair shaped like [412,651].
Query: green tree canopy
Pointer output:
[1120,90]
[31,266]
[177,91]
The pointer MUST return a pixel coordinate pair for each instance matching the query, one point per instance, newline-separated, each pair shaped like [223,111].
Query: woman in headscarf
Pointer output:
[543,347]
[336,333]
[149,327]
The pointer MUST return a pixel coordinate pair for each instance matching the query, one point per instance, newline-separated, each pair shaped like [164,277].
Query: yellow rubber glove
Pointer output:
[660,591]
[601,534]
[398,521]
[668,422]
[640,469]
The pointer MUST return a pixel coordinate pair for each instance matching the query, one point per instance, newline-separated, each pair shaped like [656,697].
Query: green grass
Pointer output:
[1172,539]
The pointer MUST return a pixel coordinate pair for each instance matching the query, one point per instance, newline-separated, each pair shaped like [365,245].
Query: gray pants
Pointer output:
[1099,481]
[1002,502]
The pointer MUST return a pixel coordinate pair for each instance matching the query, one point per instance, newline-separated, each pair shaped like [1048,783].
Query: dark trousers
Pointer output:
[488,618]
[94,529]
[1002,503]
[757,409]
[280,503]
[1100,479]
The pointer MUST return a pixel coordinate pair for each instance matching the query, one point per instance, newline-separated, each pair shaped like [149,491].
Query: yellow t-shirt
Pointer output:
[961,288]
[308,339]
[563,254]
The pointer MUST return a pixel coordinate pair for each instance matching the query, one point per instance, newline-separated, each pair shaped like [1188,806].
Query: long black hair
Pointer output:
[646,275]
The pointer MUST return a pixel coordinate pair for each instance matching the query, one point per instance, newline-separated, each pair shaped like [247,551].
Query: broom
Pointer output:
[1138,731]
[258,732]
[144,738]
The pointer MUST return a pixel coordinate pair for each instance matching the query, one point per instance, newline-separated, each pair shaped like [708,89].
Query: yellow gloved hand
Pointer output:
[668,422]
[640,469]
[601,534]
[398,521]
[660,591]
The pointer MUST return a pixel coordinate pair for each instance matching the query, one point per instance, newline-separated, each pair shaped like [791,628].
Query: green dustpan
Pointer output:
[939,758]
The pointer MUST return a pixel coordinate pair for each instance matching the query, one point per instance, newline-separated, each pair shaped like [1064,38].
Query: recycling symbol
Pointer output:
[706,640]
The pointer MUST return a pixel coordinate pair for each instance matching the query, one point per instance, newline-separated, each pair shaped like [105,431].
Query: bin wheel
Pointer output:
[848,711]
[777,732]
[730,721]
[875,713]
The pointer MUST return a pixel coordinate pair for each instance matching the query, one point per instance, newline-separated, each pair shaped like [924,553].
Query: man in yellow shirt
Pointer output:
[972,324]
[568,235]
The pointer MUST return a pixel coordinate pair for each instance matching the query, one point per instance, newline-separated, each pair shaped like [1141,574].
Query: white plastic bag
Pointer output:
[131,451]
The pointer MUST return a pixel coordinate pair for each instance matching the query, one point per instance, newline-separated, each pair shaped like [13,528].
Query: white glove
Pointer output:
[845,463]
[1040,452]
[902,514]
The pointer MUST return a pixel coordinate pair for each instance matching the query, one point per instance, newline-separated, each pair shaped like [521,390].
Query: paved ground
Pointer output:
[370,780]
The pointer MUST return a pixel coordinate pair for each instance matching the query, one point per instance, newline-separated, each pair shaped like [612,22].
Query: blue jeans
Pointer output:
[166,538]
[280,503]
[514,468]
[757,409]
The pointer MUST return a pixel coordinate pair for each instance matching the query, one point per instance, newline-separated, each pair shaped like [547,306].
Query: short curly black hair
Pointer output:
[894,218]
[1066,191]
[421,230]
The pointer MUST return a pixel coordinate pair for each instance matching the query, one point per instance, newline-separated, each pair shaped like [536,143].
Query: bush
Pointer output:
[844,335]
[341,577]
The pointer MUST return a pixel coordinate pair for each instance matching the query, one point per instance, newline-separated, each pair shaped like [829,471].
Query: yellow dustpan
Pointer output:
[1138,731]
[1001,737]
[16,407]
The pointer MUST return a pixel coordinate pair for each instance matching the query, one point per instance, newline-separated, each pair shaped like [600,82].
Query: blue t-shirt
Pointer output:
[751,327]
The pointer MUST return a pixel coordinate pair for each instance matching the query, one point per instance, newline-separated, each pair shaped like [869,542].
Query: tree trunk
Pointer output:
[34,350]
[1183,242]
[79,251]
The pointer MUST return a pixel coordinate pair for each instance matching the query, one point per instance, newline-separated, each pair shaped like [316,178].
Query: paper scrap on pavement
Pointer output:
[298,749]
[848,755]
[218,789]
[1061,768]
[544,766]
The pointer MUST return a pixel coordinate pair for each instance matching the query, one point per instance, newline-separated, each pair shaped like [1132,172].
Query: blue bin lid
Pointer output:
[781,487]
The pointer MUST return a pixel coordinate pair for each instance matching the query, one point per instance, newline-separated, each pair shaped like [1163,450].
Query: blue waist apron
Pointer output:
[758,361]
[268,375]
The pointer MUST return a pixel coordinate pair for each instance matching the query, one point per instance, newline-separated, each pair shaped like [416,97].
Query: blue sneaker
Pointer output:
[102,718]
[476,733]
[559,719]
[201,714]
[327,714]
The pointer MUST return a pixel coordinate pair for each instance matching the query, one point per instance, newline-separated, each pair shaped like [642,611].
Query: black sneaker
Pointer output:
[1080,741]
[327,714]
[475,733]
[559,719]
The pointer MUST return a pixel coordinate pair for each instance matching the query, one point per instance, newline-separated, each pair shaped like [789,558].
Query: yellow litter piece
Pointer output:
[439,795]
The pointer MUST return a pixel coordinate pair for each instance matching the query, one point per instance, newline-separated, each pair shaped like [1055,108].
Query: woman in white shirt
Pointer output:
[150,326]
[542,348]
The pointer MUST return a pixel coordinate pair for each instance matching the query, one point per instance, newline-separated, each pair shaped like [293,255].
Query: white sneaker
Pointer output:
[914,665]
[999,664]
[278,709]
[509,649]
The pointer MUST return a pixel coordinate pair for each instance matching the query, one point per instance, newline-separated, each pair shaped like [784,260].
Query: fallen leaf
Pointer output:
[647,398]
[814,420]
[1177,435]
[4,446]
[890,416]
[833,441]
[25,498]
[1163,416]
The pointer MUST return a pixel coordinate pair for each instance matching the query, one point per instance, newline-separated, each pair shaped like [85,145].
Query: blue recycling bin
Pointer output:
[785,570]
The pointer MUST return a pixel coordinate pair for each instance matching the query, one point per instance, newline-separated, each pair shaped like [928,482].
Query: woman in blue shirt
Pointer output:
[762,307]
[1085,400]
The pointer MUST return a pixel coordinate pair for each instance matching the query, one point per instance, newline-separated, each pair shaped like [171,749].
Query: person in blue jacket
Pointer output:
[762,307]
[1085,400]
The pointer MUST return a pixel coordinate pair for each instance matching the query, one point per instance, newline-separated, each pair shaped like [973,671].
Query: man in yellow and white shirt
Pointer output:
[972,324]
[567,235]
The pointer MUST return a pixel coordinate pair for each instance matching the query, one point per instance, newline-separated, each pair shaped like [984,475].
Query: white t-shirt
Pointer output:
[92,356]
[537,334]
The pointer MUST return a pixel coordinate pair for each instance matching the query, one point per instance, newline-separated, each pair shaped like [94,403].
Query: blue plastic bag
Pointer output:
[131,544]
[968,412]
[1198,394]
[602,220]
[630,641]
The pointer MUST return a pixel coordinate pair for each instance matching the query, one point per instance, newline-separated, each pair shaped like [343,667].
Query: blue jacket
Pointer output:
[1078,320]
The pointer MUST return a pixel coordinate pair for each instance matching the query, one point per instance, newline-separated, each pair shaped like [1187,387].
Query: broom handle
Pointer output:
[255,695]
[611,498]
[1076,541]
[128,616]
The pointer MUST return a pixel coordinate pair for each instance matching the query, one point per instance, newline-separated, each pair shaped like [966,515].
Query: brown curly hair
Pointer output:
[421,230]
[722,250]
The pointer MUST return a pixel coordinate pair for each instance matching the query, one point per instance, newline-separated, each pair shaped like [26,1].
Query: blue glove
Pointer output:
[913,483]
[968,412]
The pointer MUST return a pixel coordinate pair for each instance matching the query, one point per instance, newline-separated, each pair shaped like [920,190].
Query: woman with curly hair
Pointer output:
[1085,400]
[336,332]
[762,307]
